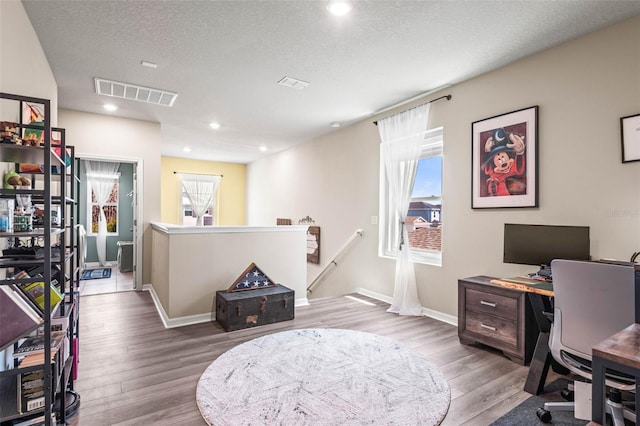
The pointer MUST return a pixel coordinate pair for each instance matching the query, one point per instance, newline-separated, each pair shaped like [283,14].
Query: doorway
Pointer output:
[116,269]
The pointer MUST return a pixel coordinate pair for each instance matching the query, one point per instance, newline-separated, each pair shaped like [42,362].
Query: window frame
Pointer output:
[183,208]
[432,146]
[90,205]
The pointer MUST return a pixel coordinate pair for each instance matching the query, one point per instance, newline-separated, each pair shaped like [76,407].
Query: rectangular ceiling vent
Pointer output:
[293,83]
[134,92]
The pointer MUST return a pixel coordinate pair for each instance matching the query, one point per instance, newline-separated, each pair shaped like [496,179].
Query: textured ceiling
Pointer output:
[224,59]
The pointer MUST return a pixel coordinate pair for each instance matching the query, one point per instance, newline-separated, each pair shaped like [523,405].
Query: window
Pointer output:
[110,211]
[424,217]
[189,217]
[198,196]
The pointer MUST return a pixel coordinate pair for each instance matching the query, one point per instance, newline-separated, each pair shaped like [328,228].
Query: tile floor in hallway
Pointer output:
[119,281]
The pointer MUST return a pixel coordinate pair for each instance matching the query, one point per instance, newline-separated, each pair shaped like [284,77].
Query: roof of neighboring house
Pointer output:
[414,219]
[426,238]
[417,205]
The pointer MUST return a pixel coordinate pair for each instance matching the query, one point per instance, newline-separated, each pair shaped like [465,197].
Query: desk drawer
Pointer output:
[497,328]
[493,304]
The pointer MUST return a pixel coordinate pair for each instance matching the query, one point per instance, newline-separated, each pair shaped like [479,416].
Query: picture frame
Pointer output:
[313,244]
[630,138]
[504,160]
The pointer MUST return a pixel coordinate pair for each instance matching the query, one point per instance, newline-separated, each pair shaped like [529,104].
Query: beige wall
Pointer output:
[582,88]
[95,135]
[191,264]
[231,192]
[24,69]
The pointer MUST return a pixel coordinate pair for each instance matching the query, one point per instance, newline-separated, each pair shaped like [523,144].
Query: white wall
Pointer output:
[98,135]
[582,88]
[24,69]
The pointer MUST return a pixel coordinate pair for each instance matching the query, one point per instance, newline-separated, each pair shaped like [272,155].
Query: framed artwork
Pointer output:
[313,244]
[630,133]
[504,160]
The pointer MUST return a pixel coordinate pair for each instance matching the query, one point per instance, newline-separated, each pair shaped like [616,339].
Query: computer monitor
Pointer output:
[540,244]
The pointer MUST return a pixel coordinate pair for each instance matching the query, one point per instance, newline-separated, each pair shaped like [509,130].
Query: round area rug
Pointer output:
[322,377]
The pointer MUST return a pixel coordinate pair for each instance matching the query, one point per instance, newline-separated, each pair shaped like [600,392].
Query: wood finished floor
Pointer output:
[133,371]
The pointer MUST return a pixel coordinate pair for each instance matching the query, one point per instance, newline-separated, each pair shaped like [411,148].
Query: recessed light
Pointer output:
[334,124]
[339,7]
[149,64]
[263,148]
[110,107]
[214,125]
[186,149]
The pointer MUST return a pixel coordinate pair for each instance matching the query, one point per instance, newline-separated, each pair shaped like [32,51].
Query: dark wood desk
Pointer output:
[538,295]
[539,300]
[620,352]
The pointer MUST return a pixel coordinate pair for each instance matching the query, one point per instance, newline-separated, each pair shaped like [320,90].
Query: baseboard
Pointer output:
[440,316]
[191,319]
[175,322]
[94,265]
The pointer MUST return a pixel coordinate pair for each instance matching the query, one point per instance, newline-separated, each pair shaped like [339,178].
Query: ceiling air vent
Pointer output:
[134,92]
[293,83]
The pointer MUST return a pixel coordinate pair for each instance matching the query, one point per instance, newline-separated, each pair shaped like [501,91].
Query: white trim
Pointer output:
[433,146]
[192,319]
[437,315]
[175,322]
[138,214]
[169,228]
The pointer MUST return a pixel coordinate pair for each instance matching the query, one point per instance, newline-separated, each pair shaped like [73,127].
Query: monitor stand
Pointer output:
[544,272]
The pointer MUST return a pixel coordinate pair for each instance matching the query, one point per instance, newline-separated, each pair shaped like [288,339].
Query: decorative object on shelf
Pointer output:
[22,222]
[252,278]
[306,220]
[9,133]
[33,114]
[505,160]
[7,207]
[630,134]
[281,221]
[313,240]
[13,180]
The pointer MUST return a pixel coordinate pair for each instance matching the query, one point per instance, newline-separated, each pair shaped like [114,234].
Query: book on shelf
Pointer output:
[35,344]
[37,359]
[17,317]
[31,383]
[31,391]
[36,419]
[35,292]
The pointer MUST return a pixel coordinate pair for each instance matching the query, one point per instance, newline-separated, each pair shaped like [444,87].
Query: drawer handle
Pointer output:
[488,327]
[493,305]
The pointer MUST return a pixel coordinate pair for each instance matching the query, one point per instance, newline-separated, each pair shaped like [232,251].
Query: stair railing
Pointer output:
[336,258]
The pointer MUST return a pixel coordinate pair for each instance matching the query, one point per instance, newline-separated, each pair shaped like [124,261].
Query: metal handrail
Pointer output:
[334,261]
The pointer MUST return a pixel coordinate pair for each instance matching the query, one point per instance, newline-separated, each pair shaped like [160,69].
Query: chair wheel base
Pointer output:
[567,394]
[543,415]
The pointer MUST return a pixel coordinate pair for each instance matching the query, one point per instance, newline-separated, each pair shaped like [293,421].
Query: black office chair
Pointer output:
[592,301]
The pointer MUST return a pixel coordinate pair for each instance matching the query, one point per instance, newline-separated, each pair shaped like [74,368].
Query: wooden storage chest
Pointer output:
[244,309]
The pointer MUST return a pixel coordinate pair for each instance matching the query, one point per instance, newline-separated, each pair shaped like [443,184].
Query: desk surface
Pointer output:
[623,347]
[525,284]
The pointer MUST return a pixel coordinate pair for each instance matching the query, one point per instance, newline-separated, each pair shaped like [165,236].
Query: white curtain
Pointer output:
[402,136]
[201,191]
[101,175]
